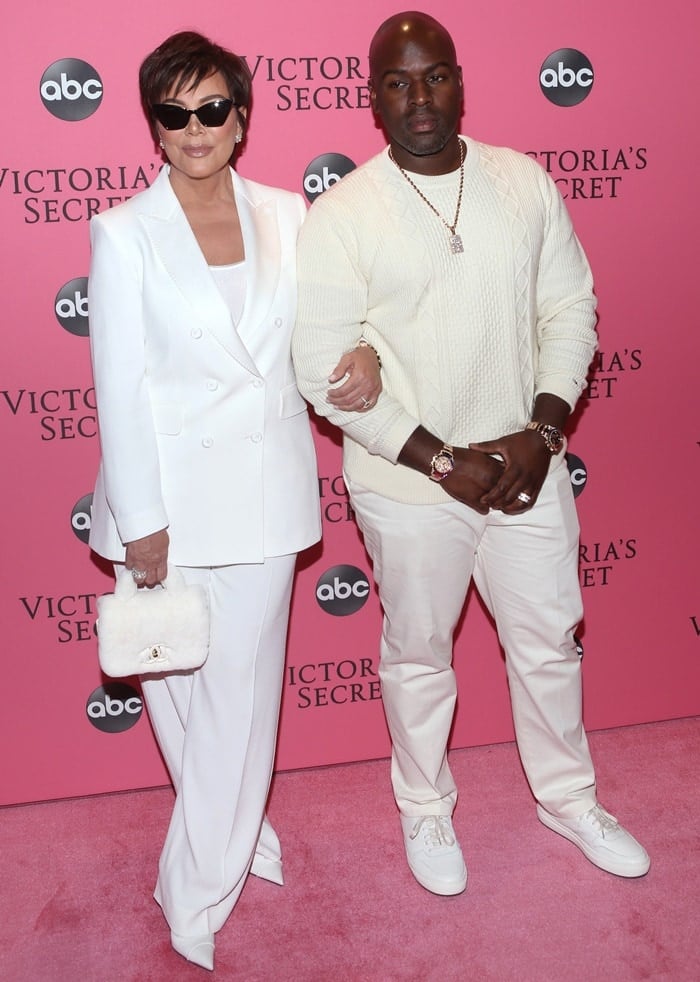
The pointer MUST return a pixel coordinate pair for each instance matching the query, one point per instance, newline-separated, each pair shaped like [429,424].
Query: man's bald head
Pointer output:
[401,29]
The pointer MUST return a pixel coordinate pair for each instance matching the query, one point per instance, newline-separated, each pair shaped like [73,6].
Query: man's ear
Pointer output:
[372,95]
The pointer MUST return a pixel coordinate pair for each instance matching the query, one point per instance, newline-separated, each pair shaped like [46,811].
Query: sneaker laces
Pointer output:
[436,830]
[604,821]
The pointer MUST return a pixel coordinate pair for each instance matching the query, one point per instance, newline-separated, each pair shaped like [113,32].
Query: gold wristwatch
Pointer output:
[442,464]
[552,435]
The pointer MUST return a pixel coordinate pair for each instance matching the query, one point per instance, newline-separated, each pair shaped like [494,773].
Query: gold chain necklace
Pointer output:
[456,244]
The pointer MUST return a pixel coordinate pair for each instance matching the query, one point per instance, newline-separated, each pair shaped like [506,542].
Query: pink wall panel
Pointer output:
[623,159]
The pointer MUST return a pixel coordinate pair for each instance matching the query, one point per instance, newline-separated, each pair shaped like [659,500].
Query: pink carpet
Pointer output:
[75,903]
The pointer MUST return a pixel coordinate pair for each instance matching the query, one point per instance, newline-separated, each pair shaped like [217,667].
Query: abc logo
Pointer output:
[325,171]
[342,590]
[114,707]
[577,473]
[71,89]
[80,517]
[71,306]
[566,77]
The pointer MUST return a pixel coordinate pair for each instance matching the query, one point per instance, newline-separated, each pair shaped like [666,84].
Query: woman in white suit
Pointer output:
[207,459]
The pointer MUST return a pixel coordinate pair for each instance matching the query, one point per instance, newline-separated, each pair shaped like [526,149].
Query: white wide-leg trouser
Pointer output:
[525,568]
[217,729]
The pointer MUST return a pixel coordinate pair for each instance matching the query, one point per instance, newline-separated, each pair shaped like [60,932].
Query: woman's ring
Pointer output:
[524,497]
[139,574]
[365,402]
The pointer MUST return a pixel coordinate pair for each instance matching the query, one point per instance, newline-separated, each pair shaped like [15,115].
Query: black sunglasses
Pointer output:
[177,117]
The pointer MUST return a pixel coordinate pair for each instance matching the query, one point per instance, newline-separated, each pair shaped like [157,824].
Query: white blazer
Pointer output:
[202,428]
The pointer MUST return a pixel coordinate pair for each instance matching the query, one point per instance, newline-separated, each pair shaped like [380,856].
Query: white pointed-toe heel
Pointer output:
[198,949]
[267,869]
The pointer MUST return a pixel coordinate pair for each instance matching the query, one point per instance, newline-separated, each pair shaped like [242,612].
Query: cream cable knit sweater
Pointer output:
[467,341]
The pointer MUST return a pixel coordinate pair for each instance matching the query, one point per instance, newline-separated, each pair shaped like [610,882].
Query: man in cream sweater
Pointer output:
[459,264]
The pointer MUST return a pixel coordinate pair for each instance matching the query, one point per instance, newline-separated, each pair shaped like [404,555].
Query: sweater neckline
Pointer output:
[440,181]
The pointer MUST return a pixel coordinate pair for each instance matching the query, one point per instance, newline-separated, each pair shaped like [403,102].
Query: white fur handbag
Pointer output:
[164,629]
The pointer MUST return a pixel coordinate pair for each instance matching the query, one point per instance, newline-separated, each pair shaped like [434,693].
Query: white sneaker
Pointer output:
[433,853]
[601,839]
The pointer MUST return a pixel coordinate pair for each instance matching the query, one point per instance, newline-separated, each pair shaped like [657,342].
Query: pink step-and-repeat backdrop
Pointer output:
[604,96]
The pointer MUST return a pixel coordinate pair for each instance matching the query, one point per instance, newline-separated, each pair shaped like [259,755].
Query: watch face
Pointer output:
[441,465]
[555,439]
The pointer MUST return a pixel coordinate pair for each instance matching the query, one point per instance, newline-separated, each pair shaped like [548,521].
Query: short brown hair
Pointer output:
[184,60]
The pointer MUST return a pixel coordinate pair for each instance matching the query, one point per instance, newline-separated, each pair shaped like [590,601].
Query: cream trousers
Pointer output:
[526,569]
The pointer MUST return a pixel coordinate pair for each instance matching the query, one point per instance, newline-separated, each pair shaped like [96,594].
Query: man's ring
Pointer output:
[365,402]
[139,574]
[524,497]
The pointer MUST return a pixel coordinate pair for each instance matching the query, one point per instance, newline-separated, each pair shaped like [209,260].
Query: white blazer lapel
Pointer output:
[261,240]
[176,246]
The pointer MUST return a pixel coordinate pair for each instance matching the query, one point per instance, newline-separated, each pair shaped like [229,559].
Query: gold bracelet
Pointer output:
[364,343]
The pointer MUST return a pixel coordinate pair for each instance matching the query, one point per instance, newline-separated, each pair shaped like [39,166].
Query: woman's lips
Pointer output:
[197,151]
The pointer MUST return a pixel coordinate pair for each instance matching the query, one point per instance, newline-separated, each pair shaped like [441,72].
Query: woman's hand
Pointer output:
[363,384]
[148,555]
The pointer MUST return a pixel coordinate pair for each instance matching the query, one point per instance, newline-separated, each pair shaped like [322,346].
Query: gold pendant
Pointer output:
[456,244]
